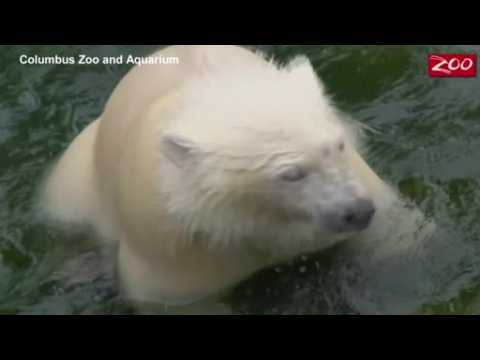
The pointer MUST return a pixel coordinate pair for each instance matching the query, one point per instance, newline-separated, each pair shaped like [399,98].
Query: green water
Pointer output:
[428,146]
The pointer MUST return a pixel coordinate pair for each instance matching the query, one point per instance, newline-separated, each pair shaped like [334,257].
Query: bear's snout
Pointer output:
[355,215]
[359,214]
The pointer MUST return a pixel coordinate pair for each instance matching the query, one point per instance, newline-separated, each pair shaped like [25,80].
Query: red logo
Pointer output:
[452,65]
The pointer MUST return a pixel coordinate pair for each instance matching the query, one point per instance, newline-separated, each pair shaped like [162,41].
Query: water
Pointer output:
[427,146]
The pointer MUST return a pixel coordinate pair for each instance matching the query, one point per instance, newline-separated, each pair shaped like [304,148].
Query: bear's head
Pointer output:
[258,152]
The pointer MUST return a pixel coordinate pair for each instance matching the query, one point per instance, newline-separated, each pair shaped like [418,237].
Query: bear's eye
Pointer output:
[341,146]
[294,173]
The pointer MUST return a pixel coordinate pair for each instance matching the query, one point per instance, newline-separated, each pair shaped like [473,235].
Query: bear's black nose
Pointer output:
[359,214]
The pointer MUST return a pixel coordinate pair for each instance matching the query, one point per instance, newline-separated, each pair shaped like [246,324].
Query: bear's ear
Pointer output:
[178,149]
[301,69]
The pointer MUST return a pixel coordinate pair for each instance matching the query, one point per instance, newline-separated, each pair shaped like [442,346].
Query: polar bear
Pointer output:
[209,170]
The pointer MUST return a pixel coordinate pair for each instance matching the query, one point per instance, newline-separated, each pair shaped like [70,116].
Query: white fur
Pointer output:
[178,170]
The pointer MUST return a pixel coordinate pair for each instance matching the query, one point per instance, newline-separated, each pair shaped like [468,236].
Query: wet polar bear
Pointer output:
[211,169]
